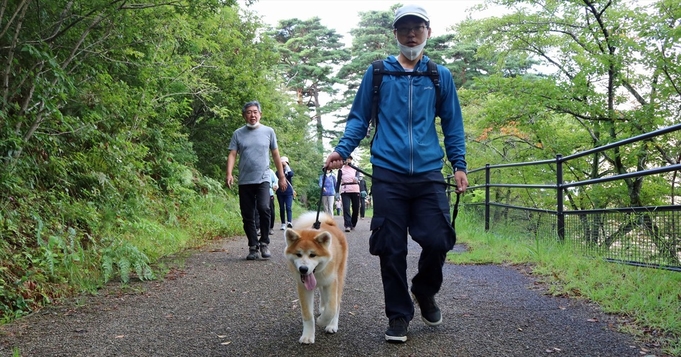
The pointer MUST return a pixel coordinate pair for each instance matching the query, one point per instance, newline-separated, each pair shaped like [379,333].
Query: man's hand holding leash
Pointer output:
[333,161]
[461,181]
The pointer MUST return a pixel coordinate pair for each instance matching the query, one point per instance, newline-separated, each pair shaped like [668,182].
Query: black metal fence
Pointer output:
[644,236]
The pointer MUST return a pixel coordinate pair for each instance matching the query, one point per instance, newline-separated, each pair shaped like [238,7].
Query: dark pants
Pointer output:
[272,215]
[362,206]
[251,198]
[285,207]
[418,206]
[350,209]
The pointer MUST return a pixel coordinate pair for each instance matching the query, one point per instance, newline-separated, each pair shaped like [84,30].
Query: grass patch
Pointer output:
[192,225]
[649,300]
[66,261]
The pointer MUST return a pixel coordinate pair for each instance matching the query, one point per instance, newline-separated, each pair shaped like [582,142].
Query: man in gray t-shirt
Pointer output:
[252,142]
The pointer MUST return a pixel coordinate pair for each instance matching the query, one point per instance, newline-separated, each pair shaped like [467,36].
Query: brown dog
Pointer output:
[317,259]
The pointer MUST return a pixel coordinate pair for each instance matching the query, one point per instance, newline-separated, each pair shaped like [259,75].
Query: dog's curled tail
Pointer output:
[308,219]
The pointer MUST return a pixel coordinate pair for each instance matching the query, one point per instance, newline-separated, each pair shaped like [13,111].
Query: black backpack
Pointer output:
[379,71]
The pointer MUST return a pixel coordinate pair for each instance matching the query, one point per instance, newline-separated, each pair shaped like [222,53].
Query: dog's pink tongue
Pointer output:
[309,281]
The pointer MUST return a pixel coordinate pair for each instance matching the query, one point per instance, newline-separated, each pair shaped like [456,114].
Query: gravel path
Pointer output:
[219,304]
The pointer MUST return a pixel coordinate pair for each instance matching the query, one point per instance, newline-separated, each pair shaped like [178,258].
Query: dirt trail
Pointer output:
[219,304]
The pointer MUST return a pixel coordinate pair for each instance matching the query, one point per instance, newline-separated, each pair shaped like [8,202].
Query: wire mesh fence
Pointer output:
[645,237]
[639,237]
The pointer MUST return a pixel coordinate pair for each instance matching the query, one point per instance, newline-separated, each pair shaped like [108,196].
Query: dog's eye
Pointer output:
[299,255]
[312,255]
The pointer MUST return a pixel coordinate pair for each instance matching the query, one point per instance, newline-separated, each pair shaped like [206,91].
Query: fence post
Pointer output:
[560,194]
[487,180]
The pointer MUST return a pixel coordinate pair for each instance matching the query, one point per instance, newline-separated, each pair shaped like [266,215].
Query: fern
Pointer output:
[107,267]
[143,271]
[61,256]
[124,268]
[125,257]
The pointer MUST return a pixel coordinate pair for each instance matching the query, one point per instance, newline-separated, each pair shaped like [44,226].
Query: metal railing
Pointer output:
[643,236]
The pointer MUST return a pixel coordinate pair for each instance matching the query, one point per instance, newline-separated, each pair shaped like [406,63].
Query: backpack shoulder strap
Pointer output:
[435,77]
[378,71]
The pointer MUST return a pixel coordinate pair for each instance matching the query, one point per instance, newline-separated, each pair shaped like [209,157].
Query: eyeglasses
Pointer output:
[403,31]
[249,112]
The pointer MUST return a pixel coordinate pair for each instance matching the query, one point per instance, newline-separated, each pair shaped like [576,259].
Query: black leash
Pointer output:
[317,223]
[455,211]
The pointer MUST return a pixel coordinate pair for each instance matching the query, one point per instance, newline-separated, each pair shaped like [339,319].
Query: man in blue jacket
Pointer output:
[409,191]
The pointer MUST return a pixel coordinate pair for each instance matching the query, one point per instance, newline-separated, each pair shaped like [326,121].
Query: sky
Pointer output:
[342,15]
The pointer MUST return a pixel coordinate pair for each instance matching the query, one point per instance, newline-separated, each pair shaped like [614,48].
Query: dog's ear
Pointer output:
[291,236]
[324,238]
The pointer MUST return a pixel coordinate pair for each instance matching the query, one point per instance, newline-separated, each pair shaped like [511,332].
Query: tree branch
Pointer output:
[10,54]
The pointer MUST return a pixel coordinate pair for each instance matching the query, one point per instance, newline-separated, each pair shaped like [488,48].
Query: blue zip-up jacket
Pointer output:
[329,184]
[406,139]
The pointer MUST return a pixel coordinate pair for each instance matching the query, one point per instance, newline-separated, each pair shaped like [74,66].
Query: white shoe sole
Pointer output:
[396,338]
[436,323]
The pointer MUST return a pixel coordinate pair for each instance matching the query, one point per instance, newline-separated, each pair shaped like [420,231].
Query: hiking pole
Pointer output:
[317,223]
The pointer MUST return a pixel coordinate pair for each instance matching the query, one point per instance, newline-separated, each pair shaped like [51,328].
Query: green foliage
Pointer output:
[35,277]
[214,215]
[236,63]
[309,53]
[64,253]
[125,258]
[590,84]
[372,39]
[104,151]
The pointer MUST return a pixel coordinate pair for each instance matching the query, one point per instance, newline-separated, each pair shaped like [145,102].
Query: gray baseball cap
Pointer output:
[411,10]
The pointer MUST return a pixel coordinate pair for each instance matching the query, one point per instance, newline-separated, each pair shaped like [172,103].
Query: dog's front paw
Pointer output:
[306,340]
[331,329]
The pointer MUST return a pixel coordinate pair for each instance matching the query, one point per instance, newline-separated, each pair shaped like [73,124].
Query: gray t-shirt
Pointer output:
[253,147]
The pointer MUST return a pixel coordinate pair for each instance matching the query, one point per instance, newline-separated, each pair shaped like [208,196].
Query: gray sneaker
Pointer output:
[252,253]
[264,251]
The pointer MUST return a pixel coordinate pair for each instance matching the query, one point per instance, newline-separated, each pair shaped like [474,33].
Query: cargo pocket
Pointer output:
[435,233]
[377,240]
[443,230]
[449,238]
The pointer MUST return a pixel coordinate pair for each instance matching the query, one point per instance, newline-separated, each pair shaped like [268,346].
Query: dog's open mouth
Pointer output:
[309,281]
